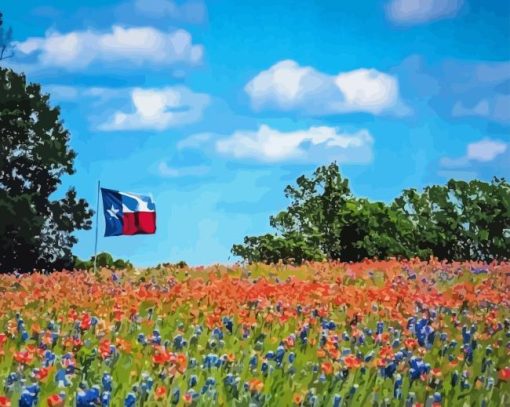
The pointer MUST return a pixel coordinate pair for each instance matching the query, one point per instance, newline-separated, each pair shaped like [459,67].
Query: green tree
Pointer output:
[457,221]
[289,248]
[460,220]
[36,229]
[315,211]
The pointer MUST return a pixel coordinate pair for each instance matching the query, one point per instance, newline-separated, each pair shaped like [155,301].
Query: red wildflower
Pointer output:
[55,401]
[504,374]
[160,392]
[352,362]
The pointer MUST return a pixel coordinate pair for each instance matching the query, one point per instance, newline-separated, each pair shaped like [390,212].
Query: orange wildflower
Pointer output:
[297,398]
[327,368]
[160,392]
[256,385]
[352,362]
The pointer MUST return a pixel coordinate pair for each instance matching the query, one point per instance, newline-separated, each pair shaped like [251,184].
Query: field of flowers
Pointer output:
[325,334]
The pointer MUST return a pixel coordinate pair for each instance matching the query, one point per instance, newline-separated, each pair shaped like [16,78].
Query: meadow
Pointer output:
[389,333]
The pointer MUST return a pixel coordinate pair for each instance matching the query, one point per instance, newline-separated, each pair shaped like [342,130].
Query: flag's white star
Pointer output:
[113,212]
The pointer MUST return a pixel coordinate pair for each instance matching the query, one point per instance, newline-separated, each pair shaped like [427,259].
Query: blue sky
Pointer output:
[214,107]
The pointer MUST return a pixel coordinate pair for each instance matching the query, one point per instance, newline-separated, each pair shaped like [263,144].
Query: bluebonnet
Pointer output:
[328,325]
[192,363]
[62,379]
[192,381]
[228,323]
[417,368]
[141,339]
[369,356]
[280,353]
[29,396]
[87,397]
[107,382]
[106,399]
[455,378]
[303,334]
[399,356]
[337,400]
[353,389]
[468,354]
[130,400]
[179,342]
[217,333]
[229,379]
[397,388]
[264,368]
[210,360]
[176,395]
[389,369]
[466,335]
[253,361]
[156,337]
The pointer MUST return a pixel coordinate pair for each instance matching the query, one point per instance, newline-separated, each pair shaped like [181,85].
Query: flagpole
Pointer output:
[97,225]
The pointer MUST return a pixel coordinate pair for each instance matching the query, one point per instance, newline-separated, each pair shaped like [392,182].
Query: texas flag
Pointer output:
[128,214]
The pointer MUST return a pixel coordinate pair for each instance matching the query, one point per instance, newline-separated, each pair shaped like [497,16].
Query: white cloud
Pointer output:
[485,158]
[485,150]
[132,46]
[172,172]
[289,86]
[310,145]
[159,109]
[411,12]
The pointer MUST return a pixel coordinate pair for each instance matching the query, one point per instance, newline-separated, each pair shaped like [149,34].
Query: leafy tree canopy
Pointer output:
[457,221]
[104,259]
[36,229]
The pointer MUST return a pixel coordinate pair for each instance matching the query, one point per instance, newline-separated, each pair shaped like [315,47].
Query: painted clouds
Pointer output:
[411,12]
[158,109]
[135,47]
[483,158]
[287,86]
[313,145]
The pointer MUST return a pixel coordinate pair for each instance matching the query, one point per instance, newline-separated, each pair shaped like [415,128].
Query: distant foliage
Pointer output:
[457,221]
[6,42]
[36,229]
[103,260]
[180,265]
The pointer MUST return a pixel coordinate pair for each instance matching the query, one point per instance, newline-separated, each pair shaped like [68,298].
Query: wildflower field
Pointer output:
[323,334]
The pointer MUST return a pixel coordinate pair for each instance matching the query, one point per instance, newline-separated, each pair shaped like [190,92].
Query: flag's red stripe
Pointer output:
[139,223]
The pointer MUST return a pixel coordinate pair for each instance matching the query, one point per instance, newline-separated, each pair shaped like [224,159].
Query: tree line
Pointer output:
[458,221]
